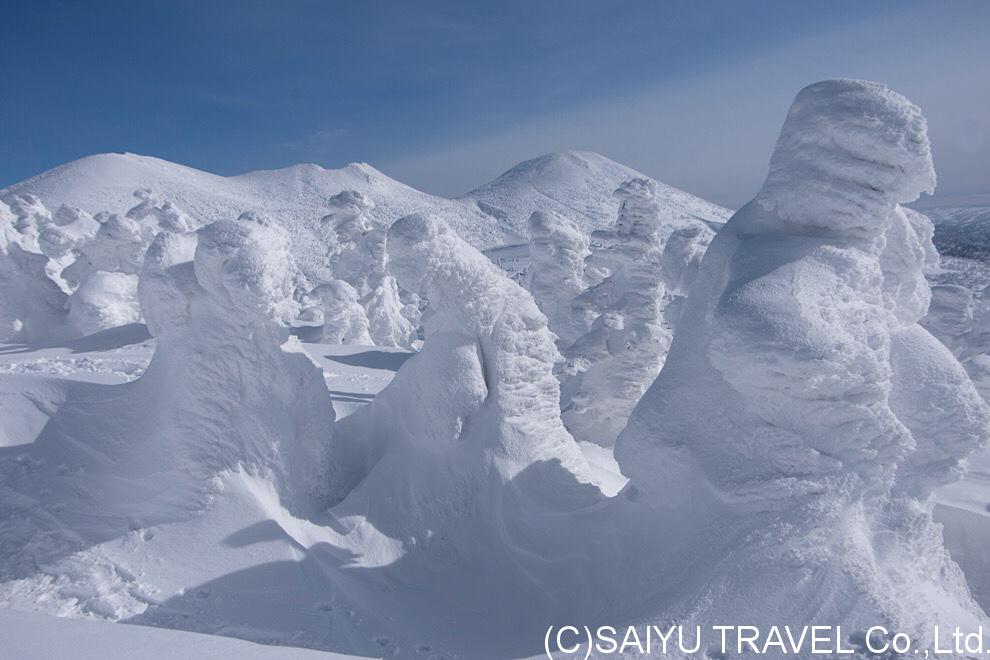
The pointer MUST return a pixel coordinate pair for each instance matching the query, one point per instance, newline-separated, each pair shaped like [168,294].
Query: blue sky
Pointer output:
[446,95]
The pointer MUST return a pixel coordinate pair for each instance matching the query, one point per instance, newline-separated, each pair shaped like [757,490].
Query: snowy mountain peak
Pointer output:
[295,196]
[577,185]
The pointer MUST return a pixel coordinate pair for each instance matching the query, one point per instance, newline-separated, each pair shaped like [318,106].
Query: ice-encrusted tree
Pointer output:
[475,408]
[357,242]
[609,367]
[165,214]
[32,305]
[682,254]
[104,275]
[342,316]
[803,417]
[231,387]
[30,217]
[358,256]
[555,276]
[62,239]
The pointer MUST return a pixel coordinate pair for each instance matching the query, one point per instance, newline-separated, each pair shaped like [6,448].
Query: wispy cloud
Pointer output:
[317,143]
[712,134]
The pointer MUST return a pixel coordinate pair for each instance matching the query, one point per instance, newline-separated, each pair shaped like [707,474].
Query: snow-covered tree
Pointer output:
[62,239]
[228,385]
[679,265]
[610,366]
[803,416]
[343,318]
[555,275]
[166,215]
[32,305]
[478,405]
[357,241]
[104,275]
[31,216]
[358,255]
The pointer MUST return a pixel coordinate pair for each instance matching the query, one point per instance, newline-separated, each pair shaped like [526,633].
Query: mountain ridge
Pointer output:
[492,215]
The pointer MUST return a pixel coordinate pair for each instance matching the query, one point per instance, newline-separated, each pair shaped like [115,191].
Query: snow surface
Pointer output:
[32,636]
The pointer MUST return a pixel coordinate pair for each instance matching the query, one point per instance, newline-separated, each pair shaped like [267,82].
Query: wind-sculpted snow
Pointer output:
[555,276]
[802,411]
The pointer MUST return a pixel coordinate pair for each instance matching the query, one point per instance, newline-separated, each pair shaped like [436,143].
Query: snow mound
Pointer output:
[802,411]
[338,311]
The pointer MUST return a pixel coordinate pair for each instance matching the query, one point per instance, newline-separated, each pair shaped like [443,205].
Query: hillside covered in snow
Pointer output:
[577,184]
[493,215]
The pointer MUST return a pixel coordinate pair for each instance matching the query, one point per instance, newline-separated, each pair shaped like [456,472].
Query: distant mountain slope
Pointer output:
[577,184]
[294,195]
[962,231]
